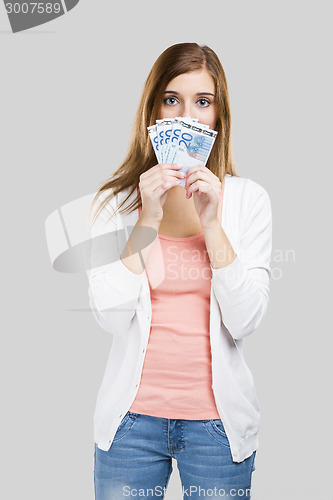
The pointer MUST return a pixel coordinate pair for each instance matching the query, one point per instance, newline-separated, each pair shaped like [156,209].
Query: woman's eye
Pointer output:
[205,101]
[168,99]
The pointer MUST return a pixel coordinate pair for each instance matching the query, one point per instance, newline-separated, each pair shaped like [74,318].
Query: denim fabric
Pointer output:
[139,461]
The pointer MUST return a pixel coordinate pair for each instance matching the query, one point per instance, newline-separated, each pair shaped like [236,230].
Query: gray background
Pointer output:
[69,91]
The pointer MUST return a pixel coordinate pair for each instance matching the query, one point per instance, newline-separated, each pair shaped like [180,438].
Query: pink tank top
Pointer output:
[176,379]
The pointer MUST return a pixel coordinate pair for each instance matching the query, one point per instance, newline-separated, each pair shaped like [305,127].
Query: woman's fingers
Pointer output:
[165,174]
[161,169]
[154,183]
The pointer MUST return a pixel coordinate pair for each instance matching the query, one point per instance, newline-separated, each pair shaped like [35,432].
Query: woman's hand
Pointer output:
[154,185]
[206,189]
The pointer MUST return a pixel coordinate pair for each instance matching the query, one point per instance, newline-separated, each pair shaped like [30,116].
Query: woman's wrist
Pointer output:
[147,220]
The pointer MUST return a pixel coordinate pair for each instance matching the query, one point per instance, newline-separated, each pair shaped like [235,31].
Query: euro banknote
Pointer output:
[182,140]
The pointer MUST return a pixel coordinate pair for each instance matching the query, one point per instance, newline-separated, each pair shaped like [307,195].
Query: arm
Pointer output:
[113,287]
[241,283]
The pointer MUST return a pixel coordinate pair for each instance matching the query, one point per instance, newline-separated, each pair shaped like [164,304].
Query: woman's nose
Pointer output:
[187,109]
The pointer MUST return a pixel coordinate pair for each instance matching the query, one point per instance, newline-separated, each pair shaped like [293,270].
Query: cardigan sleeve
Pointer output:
[242,287]
[113,289]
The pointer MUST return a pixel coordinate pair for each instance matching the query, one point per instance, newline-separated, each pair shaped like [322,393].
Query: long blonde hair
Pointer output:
[175,60]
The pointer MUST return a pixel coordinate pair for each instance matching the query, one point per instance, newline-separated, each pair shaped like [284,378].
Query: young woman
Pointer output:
[179,277]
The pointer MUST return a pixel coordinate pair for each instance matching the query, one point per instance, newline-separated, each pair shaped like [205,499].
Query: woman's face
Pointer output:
[191,94]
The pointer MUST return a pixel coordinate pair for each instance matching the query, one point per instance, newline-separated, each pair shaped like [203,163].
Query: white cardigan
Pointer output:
[121,304]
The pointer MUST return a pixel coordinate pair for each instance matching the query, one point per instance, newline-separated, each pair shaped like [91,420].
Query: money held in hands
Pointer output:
[182,140]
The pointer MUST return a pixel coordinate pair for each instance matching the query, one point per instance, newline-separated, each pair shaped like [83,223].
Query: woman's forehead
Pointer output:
[192,79]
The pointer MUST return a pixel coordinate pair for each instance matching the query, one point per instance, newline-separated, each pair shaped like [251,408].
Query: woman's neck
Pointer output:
[177,202]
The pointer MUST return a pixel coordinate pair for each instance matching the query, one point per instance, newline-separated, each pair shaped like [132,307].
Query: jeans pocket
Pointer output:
[216,429]
[123,421]
[217,424]
[125,425]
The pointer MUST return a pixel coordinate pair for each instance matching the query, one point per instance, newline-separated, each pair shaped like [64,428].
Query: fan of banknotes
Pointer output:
[182,140]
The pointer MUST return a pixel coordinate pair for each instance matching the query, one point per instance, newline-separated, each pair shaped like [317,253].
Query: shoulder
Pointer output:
[110,205]
[108,202]
[248,196]
[245,190]
[243,186]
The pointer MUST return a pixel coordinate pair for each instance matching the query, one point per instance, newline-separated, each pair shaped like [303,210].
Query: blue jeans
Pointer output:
[139,461]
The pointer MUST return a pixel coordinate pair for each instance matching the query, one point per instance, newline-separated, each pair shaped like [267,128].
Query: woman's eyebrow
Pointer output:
[198,93]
